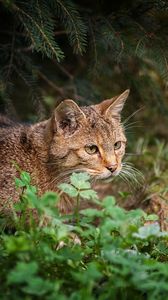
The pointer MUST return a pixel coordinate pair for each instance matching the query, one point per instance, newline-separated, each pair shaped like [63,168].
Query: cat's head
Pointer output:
[89,138]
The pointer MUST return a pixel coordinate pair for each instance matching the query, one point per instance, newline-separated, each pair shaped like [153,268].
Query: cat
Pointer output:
[87,139]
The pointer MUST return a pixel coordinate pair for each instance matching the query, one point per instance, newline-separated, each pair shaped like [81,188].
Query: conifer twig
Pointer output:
[25,49]
[51,83]
[60,32]
[65,71]
[10,107]
[11,55]
[43,34]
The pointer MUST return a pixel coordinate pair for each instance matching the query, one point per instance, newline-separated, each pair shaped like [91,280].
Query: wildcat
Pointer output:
[89,138]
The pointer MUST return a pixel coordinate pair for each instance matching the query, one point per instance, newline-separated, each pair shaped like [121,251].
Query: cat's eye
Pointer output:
[117,145]
[91,149]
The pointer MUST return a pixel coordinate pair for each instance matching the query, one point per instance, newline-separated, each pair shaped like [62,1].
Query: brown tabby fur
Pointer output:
[51,150]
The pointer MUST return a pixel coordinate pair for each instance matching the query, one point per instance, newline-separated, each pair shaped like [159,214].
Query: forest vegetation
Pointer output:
[88,51]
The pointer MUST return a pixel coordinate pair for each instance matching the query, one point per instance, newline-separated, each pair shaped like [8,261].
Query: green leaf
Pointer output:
[147,231]
[38,286]
[23,272]
[88,194]
[19,183]
[151,217]
[108,201]
[32,189]
[62,232]
[17,243]
[80,180]
[68,189]
[89,275]
[25,177]
[50,199]
[24,180]
[91,212]
[124,195]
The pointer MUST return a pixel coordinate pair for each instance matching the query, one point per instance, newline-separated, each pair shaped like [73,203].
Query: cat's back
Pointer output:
[6,126]
[13,152]
[5,121]
[9,138]
[23,147]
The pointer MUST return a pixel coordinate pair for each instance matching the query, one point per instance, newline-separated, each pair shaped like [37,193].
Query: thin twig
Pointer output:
[9,105]
[25,49]
[64,71]
[11,33]
[51,83]
[11,55]
[60,32]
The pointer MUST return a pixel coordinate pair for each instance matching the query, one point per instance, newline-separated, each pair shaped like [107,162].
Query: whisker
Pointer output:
[125,179]
[130,132]
[127,163]
[133,154]
[130,124]
[129,181]
[131,127]
[131,173]
[133,114]
[133,170]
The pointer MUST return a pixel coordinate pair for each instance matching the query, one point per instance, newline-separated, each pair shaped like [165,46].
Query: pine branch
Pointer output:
[159,59]
[115,38]
[71,20]
[43,41]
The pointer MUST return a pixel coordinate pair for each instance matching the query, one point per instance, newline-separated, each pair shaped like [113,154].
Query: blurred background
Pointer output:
[89,51]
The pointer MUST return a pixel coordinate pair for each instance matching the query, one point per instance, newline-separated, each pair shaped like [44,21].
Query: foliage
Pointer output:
[61,257]
[87,50]
[78,50]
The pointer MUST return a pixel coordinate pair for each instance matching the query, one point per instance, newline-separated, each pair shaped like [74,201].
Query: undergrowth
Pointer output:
[97,253]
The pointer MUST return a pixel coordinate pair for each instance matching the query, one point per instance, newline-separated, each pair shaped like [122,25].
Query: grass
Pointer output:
[70,257]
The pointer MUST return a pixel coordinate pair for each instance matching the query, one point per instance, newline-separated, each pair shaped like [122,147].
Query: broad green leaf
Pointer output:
[23,272]
[62,232]
[147,231]
[25,177]
[24,180]
[68,189]
[19,183]
[38,286]
[80,180]
[88,194]
[108,201]
[17,243]
[89,275]
[91,212]
[50,199]
[151,217]
[32,189]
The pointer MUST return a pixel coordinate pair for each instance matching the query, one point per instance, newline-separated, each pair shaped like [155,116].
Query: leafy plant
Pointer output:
[51,256]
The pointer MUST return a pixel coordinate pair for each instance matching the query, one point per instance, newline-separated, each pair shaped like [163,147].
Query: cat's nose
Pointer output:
[112,168]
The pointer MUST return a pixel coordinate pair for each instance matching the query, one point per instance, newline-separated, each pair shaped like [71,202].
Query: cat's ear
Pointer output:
[67,117]
[111,108]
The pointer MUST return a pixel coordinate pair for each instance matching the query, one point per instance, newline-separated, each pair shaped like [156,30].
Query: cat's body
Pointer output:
[89,139]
